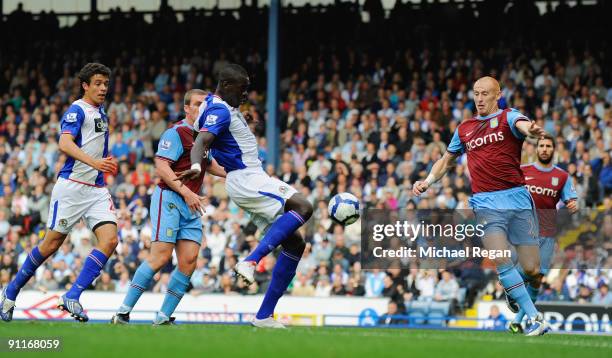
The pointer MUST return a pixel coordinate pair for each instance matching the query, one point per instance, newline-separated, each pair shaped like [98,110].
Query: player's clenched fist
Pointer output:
[107,165]
[419,187]
[572,206]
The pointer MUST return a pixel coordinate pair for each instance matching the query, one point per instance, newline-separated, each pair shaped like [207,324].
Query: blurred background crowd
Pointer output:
[366,108]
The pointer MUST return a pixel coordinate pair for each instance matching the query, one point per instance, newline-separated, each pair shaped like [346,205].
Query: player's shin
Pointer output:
[27,270]
[141,282]
[91,269]
[176,289]
[282,275]
[515,287]
[280,230]
[532,283]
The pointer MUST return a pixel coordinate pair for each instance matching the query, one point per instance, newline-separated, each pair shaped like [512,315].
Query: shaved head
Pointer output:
[488,82]
[486,94]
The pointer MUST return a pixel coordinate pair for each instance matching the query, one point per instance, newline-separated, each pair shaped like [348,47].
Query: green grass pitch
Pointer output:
[103,340]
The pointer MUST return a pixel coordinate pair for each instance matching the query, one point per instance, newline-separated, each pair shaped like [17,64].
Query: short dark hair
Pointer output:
[232,73]
[91,69]
[190,93]
[549,137]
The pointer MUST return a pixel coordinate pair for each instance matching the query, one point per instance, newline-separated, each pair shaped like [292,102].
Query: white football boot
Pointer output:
[267,323]
[246,271]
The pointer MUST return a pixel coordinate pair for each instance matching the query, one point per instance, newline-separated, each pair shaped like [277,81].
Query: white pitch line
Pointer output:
[528,340]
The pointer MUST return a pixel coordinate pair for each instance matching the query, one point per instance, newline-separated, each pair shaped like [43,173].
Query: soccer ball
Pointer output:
[344,208]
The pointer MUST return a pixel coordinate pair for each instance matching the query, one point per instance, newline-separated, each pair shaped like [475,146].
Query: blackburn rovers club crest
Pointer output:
[494,123]
[63,222]
[555,181]
[283,189]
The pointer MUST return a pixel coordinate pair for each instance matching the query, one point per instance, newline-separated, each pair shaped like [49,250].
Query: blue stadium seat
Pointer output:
[418,311]
[437,313]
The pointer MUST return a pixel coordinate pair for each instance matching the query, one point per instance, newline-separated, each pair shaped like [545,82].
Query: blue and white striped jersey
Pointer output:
[235,146]
[89,127]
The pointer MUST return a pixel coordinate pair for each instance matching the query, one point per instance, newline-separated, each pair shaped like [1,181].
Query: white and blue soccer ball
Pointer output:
[344,208]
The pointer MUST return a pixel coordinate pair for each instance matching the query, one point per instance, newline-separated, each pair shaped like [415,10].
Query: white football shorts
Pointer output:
[257,193]
[71,201]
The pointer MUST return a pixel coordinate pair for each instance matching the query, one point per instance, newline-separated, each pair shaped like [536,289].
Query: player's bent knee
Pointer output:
[532,270]
[300,205]
[187,261]
[110,242]
[187,267]
[294,245]
[156,262]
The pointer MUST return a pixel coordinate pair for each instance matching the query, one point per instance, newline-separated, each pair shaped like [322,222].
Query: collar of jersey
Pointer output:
[89,105]
[490,115]
[542,169]
[227,104]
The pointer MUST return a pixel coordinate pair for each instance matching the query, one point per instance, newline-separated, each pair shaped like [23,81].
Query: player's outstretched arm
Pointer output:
[215,169]
[69,147]
[200,147]
[440,167]
[163,170]
[530,129]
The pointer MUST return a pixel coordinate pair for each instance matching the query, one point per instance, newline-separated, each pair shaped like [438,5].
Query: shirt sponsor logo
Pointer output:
[101,125]
[487,139]
[534,189]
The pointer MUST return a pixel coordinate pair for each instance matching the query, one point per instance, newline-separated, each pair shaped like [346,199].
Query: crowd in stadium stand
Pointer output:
[364,122]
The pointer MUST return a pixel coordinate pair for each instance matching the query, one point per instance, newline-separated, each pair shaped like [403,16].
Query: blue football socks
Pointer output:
[282,275]
[24,274]
[91,269]
[176,289]
[280,230]
[515,288]
[140,283]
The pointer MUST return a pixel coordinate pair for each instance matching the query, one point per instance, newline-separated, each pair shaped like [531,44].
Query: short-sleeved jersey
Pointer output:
[547,187]
[493,145]
[175,147]
[88,125]
[235,146]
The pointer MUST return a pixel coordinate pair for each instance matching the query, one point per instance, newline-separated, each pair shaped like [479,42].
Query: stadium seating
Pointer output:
[370,121]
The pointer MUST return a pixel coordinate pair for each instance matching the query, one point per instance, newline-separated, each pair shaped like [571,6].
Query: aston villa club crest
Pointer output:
[494,123]
[555,181]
